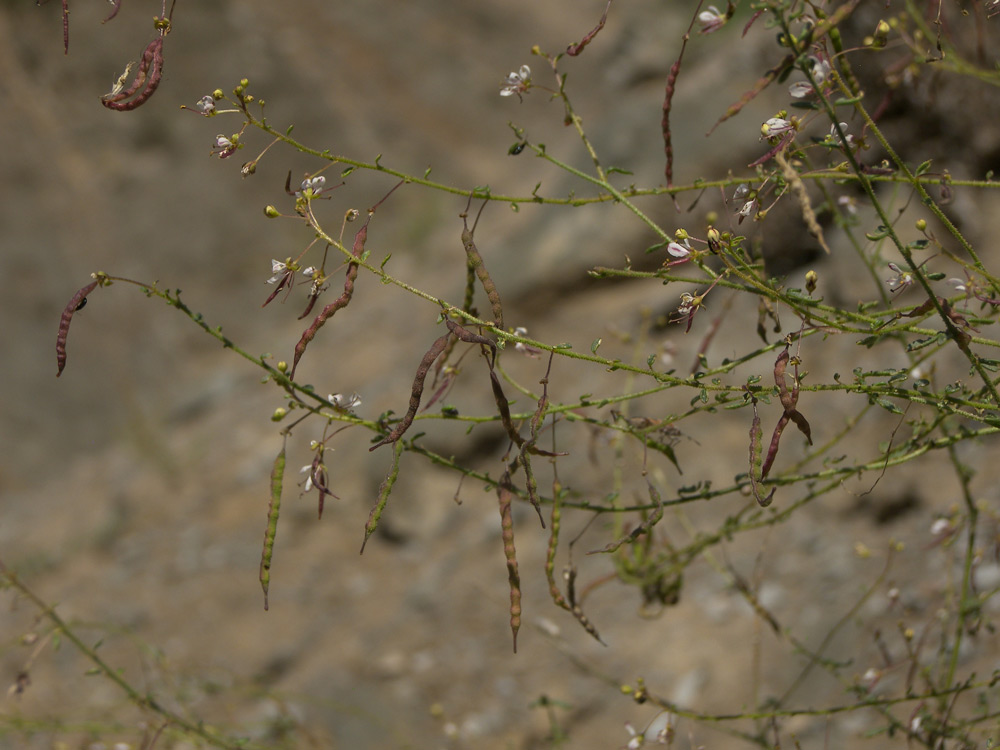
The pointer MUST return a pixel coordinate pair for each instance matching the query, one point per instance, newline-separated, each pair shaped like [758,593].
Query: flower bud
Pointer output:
[811,279]
[271,212]
[282,366]
[921,225]
[279,414]
[681,234]
[881,36]
[217,94]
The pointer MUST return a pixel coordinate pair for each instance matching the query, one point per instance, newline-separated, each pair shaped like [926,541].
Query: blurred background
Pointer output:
[133,490]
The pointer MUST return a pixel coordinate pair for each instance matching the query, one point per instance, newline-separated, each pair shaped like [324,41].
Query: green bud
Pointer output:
[244,83]
[217,94]
[282,366]
[271,212]
[279,414]
[681,234]
[921,225]
[881,36]
[811,279]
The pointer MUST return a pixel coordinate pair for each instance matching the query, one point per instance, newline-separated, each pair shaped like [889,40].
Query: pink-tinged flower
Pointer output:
[678,250]
[776,126]
[517,83]
[711,20]
[901,280]
[224,147]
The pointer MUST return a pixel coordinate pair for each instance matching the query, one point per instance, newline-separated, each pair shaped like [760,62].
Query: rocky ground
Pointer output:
[133,490]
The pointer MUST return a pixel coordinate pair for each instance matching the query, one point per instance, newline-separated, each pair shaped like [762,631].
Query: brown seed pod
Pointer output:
[77,301]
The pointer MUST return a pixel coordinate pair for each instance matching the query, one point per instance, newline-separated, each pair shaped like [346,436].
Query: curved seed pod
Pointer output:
[76,302]
[417,391]
[277,478]
[383,495]
[505,495]
[352,274]
[151,66]
[338,304]
[114,11]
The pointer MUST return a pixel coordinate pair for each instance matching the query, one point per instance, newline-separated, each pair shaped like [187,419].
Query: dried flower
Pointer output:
[517,83]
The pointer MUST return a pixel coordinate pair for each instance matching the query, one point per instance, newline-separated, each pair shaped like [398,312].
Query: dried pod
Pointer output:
[416,392]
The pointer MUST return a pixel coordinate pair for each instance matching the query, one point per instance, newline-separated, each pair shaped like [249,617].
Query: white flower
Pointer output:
[835,136]
[207,104]
[941,527]
[517,83]
[901,280]
[279,269]
[309,480]
[638,738]
[960,285]
[820,69]
[711,20]
[776,126]
[311,186]
[688,304]
[800,90]
[524,348]
[848,203]
[345,402]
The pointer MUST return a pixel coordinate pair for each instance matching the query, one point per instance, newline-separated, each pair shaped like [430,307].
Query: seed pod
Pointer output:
[505,495]
[277,478]
[76,302]
[416,392]
[475,262]
[383,495]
